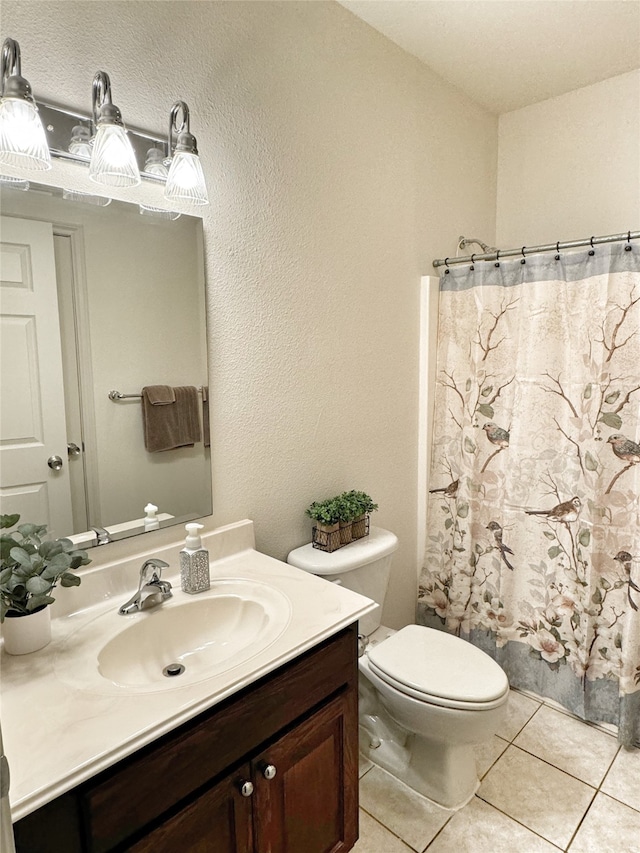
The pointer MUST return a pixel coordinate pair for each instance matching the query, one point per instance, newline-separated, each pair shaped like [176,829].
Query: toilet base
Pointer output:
[447,776]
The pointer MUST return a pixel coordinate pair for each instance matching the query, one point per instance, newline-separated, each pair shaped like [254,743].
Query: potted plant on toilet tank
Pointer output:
[340,519]
[30,568]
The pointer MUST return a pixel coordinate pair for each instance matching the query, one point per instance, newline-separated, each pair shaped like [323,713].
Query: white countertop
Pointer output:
[57,735]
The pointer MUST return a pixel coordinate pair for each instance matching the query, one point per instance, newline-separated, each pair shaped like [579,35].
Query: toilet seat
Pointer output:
[439,669]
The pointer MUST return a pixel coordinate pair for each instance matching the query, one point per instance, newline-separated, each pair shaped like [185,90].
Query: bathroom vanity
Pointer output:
[260,757]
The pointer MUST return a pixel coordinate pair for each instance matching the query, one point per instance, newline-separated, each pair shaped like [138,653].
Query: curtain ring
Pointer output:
[472,267]
[524,260]
[497,263]
[591,250]
[627,248]
[558,250]
[446,263]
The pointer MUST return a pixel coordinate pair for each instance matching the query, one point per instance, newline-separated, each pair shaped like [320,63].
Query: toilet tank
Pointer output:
[363,566]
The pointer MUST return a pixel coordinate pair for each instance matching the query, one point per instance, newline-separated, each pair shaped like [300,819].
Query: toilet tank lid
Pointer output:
[379,543]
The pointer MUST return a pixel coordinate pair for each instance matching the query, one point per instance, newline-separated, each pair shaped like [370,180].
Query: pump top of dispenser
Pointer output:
[193,541]
[151,520]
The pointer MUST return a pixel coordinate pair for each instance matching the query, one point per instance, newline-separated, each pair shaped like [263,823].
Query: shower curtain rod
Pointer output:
[531,250]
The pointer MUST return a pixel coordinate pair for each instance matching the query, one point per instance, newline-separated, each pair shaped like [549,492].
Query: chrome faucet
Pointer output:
[151,589]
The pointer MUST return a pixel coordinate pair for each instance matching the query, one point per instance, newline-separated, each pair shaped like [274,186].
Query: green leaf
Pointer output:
[486,410]
[591,464]
[587,392]
[487,390]
[549,535]
[604,583]
[463,510]
[61,562]
[611,419]
[611,398]
[468,385]
[38,586]
[584,537]
[21,557]
[448,522]
[68,579]
[8,520]
[554,551]
[47,550]
[469,446]
[597,596]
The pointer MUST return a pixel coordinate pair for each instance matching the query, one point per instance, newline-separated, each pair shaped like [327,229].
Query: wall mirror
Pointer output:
[97,299]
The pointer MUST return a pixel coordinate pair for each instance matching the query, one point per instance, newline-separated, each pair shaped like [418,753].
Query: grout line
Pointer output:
[390,831]
[581,821]
[549,764]
[515,820]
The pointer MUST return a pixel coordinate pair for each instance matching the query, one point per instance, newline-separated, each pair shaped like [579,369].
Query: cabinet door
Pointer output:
[311,803]
[219,821]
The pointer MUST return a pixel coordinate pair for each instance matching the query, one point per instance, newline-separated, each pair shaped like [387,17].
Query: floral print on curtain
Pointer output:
[533,521]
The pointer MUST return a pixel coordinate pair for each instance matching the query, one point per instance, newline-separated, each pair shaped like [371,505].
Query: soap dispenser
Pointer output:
[151,519]
[194,562]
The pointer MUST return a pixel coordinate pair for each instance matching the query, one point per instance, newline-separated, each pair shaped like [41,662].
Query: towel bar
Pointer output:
[117,395]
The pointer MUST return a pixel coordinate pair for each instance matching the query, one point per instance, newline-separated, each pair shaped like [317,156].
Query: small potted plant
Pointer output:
[348,509]
[363,505]
[30,569]
[326,516]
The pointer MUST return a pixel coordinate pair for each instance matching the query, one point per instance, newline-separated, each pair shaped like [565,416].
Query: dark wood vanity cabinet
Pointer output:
[273,769]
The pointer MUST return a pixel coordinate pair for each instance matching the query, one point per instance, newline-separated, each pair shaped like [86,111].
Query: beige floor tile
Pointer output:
[374,838]
[364,765]
[520,709]
[609,827]
[402,810]
[479,828]
[487,753]
[543,798]
[569,744]
[623,780]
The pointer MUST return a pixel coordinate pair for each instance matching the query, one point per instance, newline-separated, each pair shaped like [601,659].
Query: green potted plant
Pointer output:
[363,505]
[326,516]
[347,511]
[30,569]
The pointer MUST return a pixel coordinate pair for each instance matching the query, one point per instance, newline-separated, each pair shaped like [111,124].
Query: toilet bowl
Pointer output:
[427,698]
[443,697]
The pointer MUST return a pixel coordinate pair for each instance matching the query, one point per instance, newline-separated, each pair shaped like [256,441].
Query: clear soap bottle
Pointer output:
[194,562]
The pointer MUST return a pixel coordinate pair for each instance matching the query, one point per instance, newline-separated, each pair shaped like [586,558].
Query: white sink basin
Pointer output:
[185,640]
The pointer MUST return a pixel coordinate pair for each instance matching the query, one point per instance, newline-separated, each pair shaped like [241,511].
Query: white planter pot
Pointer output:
[25,634]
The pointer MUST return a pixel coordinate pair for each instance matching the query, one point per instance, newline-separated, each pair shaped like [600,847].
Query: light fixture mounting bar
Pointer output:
[58,123]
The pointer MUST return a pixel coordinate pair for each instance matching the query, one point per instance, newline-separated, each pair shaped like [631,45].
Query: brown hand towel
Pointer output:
[206,435]
[159,395]
[170,425]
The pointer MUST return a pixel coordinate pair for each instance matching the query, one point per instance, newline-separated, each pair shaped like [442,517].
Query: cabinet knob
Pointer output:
[246,789]
[268,771]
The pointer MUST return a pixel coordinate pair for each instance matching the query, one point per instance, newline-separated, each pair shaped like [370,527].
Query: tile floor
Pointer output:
[549,782]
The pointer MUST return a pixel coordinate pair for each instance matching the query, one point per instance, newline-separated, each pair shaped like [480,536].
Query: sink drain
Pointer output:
[173,669]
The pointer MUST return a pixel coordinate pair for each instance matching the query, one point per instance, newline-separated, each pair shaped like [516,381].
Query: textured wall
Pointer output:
[569,167]
[337,167]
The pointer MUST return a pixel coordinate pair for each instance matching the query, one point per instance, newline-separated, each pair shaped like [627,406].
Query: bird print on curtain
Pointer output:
[533,538]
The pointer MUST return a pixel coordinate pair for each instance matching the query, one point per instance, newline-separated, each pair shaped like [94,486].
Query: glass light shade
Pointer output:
[154,164]
[160,212]
[113,161]
[186,179]
[22,139]
[80,143]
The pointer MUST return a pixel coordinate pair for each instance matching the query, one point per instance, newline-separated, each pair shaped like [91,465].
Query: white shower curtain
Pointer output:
[533,523]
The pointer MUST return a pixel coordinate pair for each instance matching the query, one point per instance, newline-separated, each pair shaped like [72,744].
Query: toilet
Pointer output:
[426,697]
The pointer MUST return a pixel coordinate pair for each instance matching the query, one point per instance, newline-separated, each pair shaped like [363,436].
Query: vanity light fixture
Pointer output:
[185,181]
[113,161]
[22,138]
[32,132]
